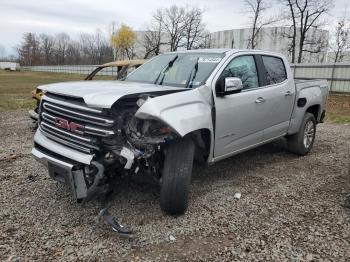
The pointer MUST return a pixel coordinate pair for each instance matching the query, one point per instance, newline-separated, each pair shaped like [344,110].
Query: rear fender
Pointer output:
[313,97]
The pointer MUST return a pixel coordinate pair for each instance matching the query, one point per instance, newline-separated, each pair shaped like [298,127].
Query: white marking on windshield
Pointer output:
[209,59]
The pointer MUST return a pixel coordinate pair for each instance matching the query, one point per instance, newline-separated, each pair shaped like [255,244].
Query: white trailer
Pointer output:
[11,66]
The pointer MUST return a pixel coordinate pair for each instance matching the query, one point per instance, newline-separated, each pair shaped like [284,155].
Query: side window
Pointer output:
[275,72]
[244,68]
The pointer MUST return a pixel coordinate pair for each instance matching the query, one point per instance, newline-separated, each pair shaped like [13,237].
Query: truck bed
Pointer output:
[299,82]
[315,92]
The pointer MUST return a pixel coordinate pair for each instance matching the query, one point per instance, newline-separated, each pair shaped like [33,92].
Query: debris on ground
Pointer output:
[41,222]
[237,195]
[172,238]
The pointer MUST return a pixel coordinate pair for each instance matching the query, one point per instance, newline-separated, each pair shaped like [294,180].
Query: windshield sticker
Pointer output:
[209,59]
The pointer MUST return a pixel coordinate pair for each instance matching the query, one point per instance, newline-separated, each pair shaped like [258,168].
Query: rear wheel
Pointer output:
[176,176]
[302,142]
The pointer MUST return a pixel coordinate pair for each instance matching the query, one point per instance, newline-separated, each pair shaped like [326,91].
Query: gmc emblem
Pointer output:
[70,126]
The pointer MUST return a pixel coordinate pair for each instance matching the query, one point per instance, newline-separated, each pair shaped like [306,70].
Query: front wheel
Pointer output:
[176,176]
[302,142]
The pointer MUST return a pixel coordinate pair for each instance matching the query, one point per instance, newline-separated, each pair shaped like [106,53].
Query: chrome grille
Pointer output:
[96,123]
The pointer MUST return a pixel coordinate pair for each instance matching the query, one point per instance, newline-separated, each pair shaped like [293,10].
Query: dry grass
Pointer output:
[16,87]
[338,109]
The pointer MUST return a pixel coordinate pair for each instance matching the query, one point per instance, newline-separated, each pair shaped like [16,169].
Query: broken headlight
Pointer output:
[148,131]
[148,127]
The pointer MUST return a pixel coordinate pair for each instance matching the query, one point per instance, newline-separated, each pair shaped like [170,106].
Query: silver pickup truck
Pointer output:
[203,105]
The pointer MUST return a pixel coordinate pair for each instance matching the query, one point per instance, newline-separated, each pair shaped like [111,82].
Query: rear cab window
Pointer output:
[275,71]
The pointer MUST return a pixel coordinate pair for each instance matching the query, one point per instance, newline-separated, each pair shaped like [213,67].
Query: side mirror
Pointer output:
[233,85]
[228,85]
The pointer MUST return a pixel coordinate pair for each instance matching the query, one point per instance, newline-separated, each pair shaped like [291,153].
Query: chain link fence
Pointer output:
[71,69]
[337,75]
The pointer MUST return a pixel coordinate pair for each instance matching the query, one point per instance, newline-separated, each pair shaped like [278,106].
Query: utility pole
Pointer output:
[114,50]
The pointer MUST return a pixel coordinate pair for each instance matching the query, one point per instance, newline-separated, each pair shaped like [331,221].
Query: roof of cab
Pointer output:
[226,51]
[214,50]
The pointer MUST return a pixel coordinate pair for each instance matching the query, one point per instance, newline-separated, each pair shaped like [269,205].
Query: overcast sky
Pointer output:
[76,16]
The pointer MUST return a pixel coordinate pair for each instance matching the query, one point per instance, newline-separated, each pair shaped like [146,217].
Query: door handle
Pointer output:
[288,93]
[260,100]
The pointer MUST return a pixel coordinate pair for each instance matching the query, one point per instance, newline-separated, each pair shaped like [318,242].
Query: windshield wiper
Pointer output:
[190,79]
[166,68]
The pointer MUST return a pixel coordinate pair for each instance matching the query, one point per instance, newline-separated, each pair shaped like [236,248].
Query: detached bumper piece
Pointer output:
[109,219]
[64,172]
[74,175]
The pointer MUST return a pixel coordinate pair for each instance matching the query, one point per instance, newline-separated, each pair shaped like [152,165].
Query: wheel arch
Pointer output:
[315,110]
[203,140]
[299,113]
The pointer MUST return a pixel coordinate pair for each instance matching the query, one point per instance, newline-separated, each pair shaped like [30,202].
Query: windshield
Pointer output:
[180,70]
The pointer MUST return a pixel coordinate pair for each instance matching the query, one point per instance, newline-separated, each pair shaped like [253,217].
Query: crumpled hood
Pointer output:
[103,94]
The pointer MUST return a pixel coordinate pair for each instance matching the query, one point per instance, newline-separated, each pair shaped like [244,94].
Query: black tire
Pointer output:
[297,143]
[176,176]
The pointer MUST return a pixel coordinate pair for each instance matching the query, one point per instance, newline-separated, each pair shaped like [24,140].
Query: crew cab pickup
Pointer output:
[203,105]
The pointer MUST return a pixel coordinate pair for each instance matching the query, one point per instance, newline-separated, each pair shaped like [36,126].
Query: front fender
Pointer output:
[184,112]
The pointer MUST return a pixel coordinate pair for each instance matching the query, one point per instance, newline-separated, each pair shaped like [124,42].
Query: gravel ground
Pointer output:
[292,208]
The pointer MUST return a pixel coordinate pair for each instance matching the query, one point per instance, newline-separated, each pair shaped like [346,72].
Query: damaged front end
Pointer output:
[115,142]
[138,144]
[107,144]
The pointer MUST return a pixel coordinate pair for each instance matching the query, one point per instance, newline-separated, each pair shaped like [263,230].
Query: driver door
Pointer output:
[239,117]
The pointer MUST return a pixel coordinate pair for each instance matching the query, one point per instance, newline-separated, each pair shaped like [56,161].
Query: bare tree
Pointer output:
[99,46]
[62,43]
[341,39]
[111,32]
[61,49]
[28,51]
[257,8]
[153,37]
[194,28]
[93,47]
[310,12]
[174,26]
[73,54]
[47,48]
[2,52]
[105,50]
[293,35]
[87,45]
[305,15]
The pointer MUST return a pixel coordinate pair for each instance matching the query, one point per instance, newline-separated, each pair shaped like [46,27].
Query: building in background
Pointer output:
[270,38]
[273,39]
[139,46]
[139,49]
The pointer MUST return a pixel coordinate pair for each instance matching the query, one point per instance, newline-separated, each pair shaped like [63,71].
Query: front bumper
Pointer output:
[61,150]
[64,164]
